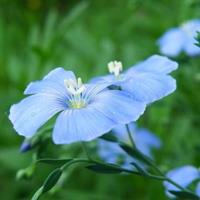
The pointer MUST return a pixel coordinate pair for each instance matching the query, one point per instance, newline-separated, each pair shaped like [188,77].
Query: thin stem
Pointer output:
[130,136]
[175,184]
[85,148]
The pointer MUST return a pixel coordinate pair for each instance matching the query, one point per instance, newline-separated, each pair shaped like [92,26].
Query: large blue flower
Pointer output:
[147,81]
[86,111]
[179,39]
[184,176]
[144,140]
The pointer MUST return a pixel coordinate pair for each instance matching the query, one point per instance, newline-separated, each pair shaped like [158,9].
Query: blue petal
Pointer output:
[53,83]
[184,176]
[198,189]
[32,112]
[119,106]
[102,79]
[148,87]
[84,124]
[59,75]
[190,48]
[93,89]
[172,42]
[146,140]
[155,64]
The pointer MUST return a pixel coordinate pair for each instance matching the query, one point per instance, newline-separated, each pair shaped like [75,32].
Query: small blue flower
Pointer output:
[179,39]
[147,81]
[184,176]
[86,111]
[144,140]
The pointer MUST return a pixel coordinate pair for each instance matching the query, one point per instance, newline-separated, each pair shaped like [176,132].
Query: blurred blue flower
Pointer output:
[184,176]
[145,141]
[86,110]
[147,81]
[179,39]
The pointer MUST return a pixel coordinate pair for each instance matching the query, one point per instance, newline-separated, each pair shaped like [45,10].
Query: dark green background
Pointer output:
[37,36]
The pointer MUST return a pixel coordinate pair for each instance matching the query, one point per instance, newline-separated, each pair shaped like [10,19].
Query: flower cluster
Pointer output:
[87,111]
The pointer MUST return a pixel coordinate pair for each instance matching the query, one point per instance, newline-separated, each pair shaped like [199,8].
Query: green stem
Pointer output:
[175,184]
[130,136]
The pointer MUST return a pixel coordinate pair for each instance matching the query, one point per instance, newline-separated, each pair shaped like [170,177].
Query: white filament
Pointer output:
[73,86]
[115,67]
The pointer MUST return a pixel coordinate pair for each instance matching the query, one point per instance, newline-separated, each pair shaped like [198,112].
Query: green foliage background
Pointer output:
[37,36]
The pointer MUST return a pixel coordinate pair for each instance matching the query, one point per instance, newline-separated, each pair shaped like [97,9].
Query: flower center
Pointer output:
[75,88]
[115,68]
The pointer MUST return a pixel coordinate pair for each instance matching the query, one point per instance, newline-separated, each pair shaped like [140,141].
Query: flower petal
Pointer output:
[155,64]
[31,113]
[172,42]
[146,140]
[53,83]
[184,176]
[148,87]
[198,189]
[119,106]
[190,48]
[84,124]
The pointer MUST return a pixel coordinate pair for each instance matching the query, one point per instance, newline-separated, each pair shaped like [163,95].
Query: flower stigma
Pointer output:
[115,68]
[75,88]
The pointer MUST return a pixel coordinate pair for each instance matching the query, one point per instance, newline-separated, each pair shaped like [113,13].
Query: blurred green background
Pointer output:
[37,36]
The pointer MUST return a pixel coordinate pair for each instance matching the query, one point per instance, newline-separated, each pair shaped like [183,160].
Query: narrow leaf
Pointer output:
[51,180]
[184,195]
[105,169]
[140,169]
[38,194]
[136,154]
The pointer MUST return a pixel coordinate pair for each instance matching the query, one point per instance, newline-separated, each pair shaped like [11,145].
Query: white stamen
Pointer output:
[115,67]
[75,87]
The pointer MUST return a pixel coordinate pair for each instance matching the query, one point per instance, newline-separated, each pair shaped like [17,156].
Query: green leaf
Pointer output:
[51,180]
[50,161]
[38,194]
[184,195]
[105,169]
[109,137]
[140,169]
[136,154]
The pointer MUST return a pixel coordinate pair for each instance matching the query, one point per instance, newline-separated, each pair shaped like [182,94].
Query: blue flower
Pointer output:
[86,111]
[179,39]
[145,141]
[147,81]
[184,176]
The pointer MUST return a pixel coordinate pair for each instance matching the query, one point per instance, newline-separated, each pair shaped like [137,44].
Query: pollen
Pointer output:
[115,67]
